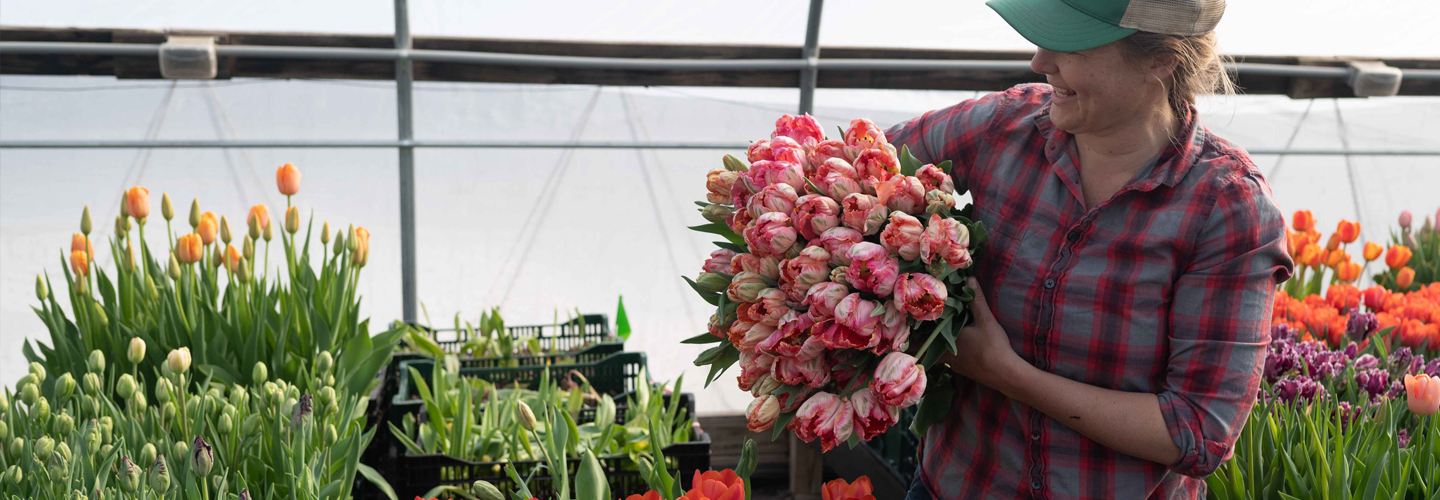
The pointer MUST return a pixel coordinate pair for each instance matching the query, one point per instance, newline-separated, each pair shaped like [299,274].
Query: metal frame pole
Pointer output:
[811,54]
[404,94]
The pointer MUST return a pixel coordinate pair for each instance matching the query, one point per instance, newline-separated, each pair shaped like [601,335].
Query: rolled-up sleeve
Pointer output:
[1220,322]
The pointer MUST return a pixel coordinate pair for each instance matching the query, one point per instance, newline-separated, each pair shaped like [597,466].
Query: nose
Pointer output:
[1043,62]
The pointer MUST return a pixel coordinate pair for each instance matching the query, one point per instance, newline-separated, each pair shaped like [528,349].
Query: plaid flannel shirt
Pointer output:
[1166,288]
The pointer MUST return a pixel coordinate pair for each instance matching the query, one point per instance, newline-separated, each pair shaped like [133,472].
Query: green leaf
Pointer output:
[934,406]
[704,338]
[721,230]
[376,479]
[622,321]
[711,297]
[944,166]
[733,247]
[909,164]
[590,483]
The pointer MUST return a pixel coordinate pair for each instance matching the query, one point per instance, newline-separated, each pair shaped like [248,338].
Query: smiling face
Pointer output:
[1100,90]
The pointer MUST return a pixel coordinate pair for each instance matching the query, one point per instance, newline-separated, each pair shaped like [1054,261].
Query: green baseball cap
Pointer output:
[1076,25]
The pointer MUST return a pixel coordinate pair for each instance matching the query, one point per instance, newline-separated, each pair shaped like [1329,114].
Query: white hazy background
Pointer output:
[610,222]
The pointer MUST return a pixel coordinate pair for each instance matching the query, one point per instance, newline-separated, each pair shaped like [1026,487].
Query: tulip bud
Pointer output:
[712,282]
[301,410]
[162,390]
[121,226]
[178,361]
[252,424]
[323,362]
[485,491]
[38,370]
[92,383]
[181,450]
[59,471]
[339,243]
[15,475]
[225,235]
[96,361]
[64,386]
[195,214]
[238,396]
[351,243]
[29,394]
[64,424]
[201,458]
[168,411]
[139,401]
[259,374]
[605,415]
[225,425]
[248,249]
[716,213]
[330,434]
[41,410]
[292,220]
[17,446]
[4,403]
[41,292]
[525,415]
[107,427]
[93,437]
[97,312]
[325,233]
[159,476]
[174,268]
[1405,219]
[136,352]
[167,210]
[129,474]
[734,164]
[150,287]
[89,404]
[44,447]
[81,285]
[244,273]
[254,225]
[219,257]
[244,495]
[125,387]
[4,431]
[327,396]
[268,233]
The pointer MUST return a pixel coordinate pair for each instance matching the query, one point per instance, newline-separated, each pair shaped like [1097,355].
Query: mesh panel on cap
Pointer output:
[1174,17]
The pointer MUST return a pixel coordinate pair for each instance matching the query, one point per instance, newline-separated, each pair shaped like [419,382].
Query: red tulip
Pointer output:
[838,489]
[922,295]
[899,380]
[1398,256]
[825,416]
[716,485]
[872,418]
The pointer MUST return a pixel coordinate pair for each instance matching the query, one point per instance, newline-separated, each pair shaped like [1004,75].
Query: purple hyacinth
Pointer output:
[1281,361]
[1366,362]
[1290,390]
[1281,331]
[1401,360]
[1373,381]
[1361,325]
[1396,389]
[1433,368]
[1351,350]
[1404,438]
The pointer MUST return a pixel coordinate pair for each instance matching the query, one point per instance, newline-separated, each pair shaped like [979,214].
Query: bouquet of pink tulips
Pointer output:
[839,257]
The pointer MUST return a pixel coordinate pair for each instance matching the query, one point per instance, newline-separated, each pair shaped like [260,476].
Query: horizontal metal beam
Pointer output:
[442,144]
[625,63]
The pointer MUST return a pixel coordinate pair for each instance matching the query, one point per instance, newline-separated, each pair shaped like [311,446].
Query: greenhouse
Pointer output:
[608,245]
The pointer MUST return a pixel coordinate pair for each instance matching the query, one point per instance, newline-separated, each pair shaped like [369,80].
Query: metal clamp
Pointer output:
[1374,79]
[188,58]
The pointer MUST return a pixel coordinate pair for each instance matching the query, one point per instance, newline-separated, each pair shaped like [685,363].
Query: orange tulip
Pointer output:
[208,227]
[713,485]
[1422,393]
[362,247]
[1349,272]
[1335,257]
[232,259]
[1296,241]
[1348,231]
[287,178]
[1404,278]
[649,495]
[137,202]
[1303,220]
[1309,255]
[261,212]
[82,243]
[80,262]
[189,248]
[841,490]
[1372,251]
[1333,243]
[1397,256]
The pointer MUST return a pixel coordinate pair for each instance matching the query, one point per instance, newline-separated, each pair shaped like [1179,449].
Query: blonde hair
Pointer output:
[1199,66]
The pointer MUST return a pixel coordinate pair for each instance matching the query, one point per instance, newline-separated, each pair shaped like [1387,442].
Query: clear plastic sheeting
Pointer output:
[548,231]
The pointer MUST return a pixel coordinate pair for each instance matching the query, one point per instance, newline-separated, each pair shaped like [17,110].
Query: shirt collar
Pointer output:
[1168,168]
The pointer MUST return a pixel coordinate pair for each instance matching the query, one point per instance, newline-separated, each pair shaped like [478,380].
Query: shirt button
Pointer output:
[1036,485]
[1073,236]
[1035,435]
[1050,283]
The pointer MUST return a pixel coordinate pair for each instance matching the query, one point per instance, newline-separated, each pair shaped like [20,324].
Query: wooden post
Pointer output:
[806,470]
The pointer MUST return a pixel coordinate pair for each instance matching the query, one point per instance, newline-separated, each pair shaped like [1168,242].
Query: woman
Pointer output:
[1131,268]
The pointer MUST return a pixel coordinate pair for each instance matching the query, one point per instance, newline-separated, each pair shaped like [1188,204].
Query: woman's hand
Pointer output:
[983,348]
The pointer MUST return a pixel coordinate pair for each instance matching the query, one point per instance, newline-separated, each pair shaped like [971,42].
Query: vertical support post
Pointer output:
[811,54]
[404,77]
[807,470]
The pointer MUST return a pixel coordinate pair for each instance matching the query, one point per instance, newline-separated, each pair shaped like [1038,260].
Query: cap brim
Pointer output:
[1054,25]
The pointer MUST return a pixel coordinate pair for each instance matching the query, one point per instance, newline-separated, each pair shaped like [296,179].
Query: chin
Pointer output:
[1063,119]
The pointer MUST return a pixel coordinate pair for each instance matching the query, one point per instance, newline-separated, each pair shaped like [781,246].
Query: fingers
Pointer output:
[978,306]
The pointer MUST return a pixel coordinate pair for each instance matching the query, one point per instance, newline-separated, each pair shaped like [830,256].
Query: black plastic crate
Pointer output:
[422,473]
[899,446]
[571,335]
[617,373]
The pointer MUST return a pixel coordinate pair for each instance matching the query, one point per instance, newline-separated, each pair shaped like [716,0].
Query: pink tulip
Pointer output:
[1422,393]
[872,269]
[898,381]
[769,306]
[739,219]
[1405,219]
[771,235]
[759,151]
[921,295]
[938,202]
[803,129]
[807,372]
[787,150]
[754,335]
[814,214]
[864,134]
[719,261]
[795,339]
[720,327]
[902,235]
[719,182]
[753,366]
[872,418]
[764,173]
[746,287]
[855,325]
[825,416]
[738,329]
[894,329]
[877,165]
[903,194]
[773,198]
[768,267]
[806,270]
[824,151]
[762,412]
[789,403]
[835,176]
[946,239]
[765,385]
[838,241]
[863,213]
[822,299]
[933,178]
